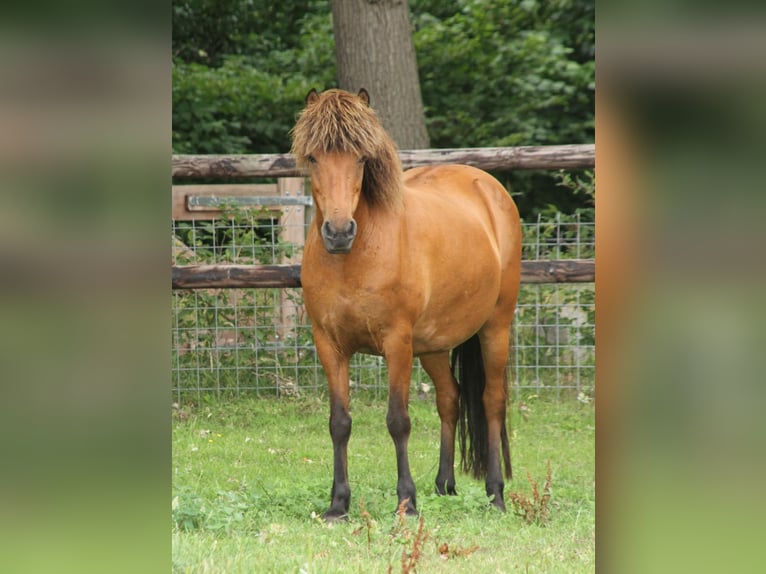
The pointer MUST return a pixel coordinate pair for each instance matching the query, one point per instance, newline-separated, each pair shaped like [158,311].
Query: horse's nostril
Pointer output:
[347,230]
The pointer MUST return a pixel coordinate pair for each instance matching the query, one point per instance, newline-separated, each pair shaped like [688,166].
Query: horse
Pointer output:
[402,265]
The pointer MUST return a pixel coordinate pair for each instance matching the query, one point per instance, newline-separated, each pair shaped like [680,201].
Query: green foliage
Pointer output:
[205,31]
[580,184]
[235,108]
[237,89]
[509,74]
[239,235]
[503,74]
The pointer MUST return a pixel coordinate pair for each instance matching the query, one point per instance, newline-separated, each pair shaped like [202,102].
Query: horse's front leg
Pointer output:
[336,368]
[398,353]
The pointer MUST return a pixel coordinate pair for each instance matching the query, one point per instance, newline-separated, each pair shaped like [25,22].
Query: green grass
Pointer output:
[250,477]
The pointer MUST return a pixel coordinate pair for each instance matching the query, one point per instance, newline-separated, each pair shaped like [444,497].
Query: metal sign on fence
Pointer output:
[206,203]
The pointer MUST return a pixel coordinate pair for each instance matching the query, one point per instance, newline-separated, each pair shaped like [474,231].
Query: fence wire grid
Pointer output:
[228,342]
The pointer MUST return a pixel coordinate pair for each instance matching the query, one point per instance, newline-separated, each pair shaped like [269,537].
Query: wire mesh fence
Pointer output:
[227,342]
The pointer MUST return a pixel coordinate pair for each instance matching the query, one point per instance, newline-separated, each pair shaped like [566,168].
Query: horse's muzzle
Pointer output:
[339,239]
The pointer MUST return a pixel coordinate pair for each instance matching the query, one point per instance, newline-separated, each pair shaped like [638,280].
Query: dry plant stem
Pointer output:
[535,509]
[367,521]
[409,560]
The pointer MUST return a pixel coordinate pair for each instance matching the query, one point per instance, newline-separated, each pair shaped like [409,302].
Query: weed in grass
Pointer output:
[413,542]
[401,533]
[188,511]
[524,410]
[368,523]
[410,560]
[535,510]
[445,552]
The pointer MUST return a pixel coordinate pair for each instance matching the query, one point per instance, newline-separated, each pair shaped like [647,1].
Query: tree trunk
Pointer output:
[374,50]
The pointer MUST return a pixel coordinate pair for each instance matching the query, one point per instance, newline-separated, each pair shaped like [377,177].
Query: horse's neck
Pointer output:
[377,223]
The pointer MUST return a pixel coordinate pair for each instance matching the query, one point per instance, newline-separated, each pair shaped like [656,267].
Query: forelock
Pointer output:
[337,122]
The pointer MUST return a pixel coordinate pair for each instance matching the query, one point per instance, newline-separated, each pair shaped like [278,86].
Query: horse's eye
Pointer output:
[311,159]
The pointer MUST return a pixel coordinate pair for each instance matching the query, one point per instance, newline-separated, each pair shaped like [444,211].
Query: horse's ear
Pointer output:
[364,96]
[311,96]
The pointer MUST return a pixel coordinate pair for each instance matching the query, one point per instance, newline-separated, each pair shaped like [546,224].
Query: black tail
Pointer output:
[468,370]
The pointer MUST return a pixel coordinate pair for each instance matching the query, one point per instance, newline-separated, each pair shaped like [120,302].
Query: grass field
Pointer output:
[251,475]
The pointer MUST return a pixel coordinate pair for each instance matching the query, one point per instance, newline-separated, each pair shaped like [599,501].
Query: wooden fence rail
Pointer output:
[270,276]
[234,167]
[574,156]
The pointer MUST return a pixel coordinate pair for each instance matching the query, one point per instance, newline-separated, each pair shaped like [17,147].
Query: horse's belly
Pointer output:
[432,340]
[447,323]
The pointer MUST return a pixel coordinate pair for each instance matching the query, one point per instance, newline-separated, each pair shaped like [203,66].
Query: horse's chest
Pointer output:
[358,309]
[354,318]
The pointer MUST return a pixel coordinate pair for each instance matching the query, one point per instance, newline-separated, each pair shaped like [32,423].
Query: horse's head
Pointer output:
[336,183]
[350,158]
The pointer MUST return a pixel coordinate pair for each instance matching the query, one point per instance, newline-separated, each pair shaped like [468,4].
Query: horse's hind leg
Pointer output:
[438,368]
[494,347]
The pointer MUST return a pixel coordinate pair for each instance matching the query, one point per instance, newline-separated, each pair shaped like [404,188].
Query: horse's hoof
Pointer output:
[335,516]
[448,492]
[407,511]
[446,489]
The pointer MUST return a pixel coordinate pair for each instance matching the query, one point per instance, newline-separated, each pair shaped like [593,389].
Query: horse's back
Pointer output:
[472,194]
[471,184]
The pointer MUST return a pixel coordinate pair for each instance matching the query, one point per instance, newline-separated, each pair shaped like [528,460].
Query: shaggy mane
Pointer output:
[337,121]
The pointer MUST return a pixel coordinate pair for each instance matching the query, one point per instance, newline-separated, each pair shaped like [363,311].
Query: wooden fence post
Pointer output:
[293,230]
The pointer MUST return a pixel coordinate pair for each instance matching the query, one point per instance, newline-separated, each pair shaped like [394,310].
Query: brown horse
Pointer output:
[408,264]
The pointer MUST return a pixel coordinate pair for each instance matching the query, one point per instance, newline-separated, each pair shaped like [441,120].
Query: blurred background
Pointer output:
[680,278]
